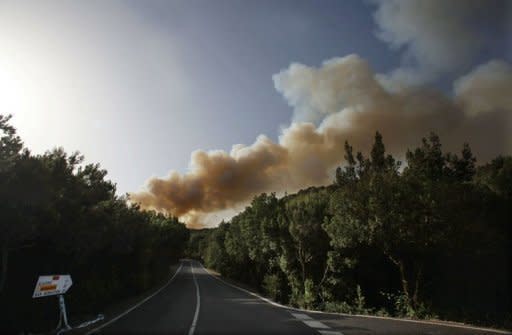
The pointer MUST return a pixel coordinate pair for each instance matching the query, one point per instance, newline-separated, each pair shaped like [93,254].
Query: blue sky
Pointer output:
[137,86]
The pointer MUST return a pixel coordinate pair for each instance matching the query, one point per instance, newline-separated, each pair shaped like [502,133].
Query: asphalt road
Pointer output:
[197,303]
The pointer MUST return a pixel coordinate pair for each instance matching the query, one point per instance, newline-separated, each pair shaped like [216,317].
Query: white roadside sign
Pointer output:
[52,285]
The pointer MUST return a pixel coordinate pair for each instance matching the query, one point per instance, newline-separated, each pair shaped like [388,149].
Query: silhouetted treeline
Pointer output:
[59,216]
[427,239]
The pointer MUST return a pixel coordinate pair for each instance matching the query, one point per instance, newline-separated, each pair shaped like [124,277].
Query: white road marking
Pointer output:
[316,324]
[92,331]
[329,332]
[301,316]
[247,291]
[308,320]
[198,303]
[431,322]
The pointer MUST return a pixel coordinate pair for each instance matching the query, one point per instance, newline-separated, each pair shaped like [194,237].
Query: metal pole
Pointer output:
[64,326]
[63,315]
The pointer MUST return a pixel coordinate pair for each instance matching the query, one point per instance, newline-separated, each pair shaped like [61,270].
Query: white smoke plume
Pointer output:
[437,36]
[351,103]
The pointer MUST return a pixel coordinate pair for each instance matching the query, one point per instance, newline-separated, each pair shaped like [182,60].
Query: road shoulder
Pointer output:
[454,324]
[121,307]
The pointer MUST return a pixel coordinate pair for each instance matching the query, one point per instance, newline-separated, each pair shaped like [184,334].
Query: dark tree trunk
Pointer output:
[302,262]
[415,297]
[405,282]
[5,263]
[412,298]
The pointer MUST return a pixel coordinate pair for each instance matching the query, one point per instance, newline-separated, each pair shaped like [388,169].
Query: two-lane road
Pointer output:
[196,303]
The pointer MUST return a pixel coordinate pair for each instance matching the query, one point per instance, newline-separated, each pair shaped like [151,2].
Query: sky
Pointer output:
[140,86]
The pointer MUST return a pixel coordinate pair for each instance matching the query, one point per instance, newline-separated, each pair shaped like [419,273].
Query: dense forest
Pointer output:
[426,239]
[61,216]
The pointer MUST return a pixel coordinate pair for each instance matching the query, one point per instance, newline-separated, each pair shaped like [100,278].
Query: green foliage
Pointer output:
[402,308]
[273,286]
[357,306]
[338,307]
[360,302]
[61,216]
[10,145]
[431,232]
[497,176]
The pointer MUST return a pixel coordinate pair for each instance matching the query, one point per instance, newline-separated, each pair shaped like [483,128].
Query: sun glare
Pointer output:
[28,92]
[11,88]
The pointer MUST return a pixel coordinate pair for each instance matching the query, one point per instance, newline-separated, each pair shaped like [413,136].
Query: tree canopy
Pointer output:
[60,215]
[416,239]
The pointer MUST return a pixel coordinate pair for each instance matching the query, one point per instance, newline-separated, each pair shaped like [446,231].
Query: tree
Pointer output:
[61,216]
[497,176]
[304,253]
[376,209]
[10,227]
[440,222]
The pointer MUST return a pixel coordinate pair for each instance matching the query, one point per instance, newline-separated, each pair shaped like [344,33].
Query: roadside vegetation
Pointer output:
[429,239]
[60,216]
[426,239]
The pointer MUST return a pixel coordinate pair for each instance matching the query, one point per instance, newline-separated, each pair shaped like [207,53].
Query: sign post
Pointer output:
[55,285]
[52,285]
[58,285]
[63,318]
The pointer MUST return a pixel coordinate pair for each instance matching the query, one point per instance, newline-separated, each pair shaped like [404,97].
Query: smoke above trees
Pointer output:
[345,100]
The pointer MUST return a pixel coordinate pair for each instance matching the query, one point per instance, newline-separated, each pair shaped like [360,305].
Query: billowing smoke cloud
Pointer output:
[344,99]
[350,103]
[486,88]
[437,36]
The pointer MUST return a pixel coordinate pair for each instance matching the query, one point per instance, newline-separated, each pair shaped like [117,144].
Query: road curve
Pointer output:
[197,303]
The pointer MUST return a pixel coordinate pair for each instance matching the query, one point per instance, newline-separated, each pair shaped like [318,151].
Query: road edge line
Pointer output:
[198,302]
[92,331]
[445,324]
